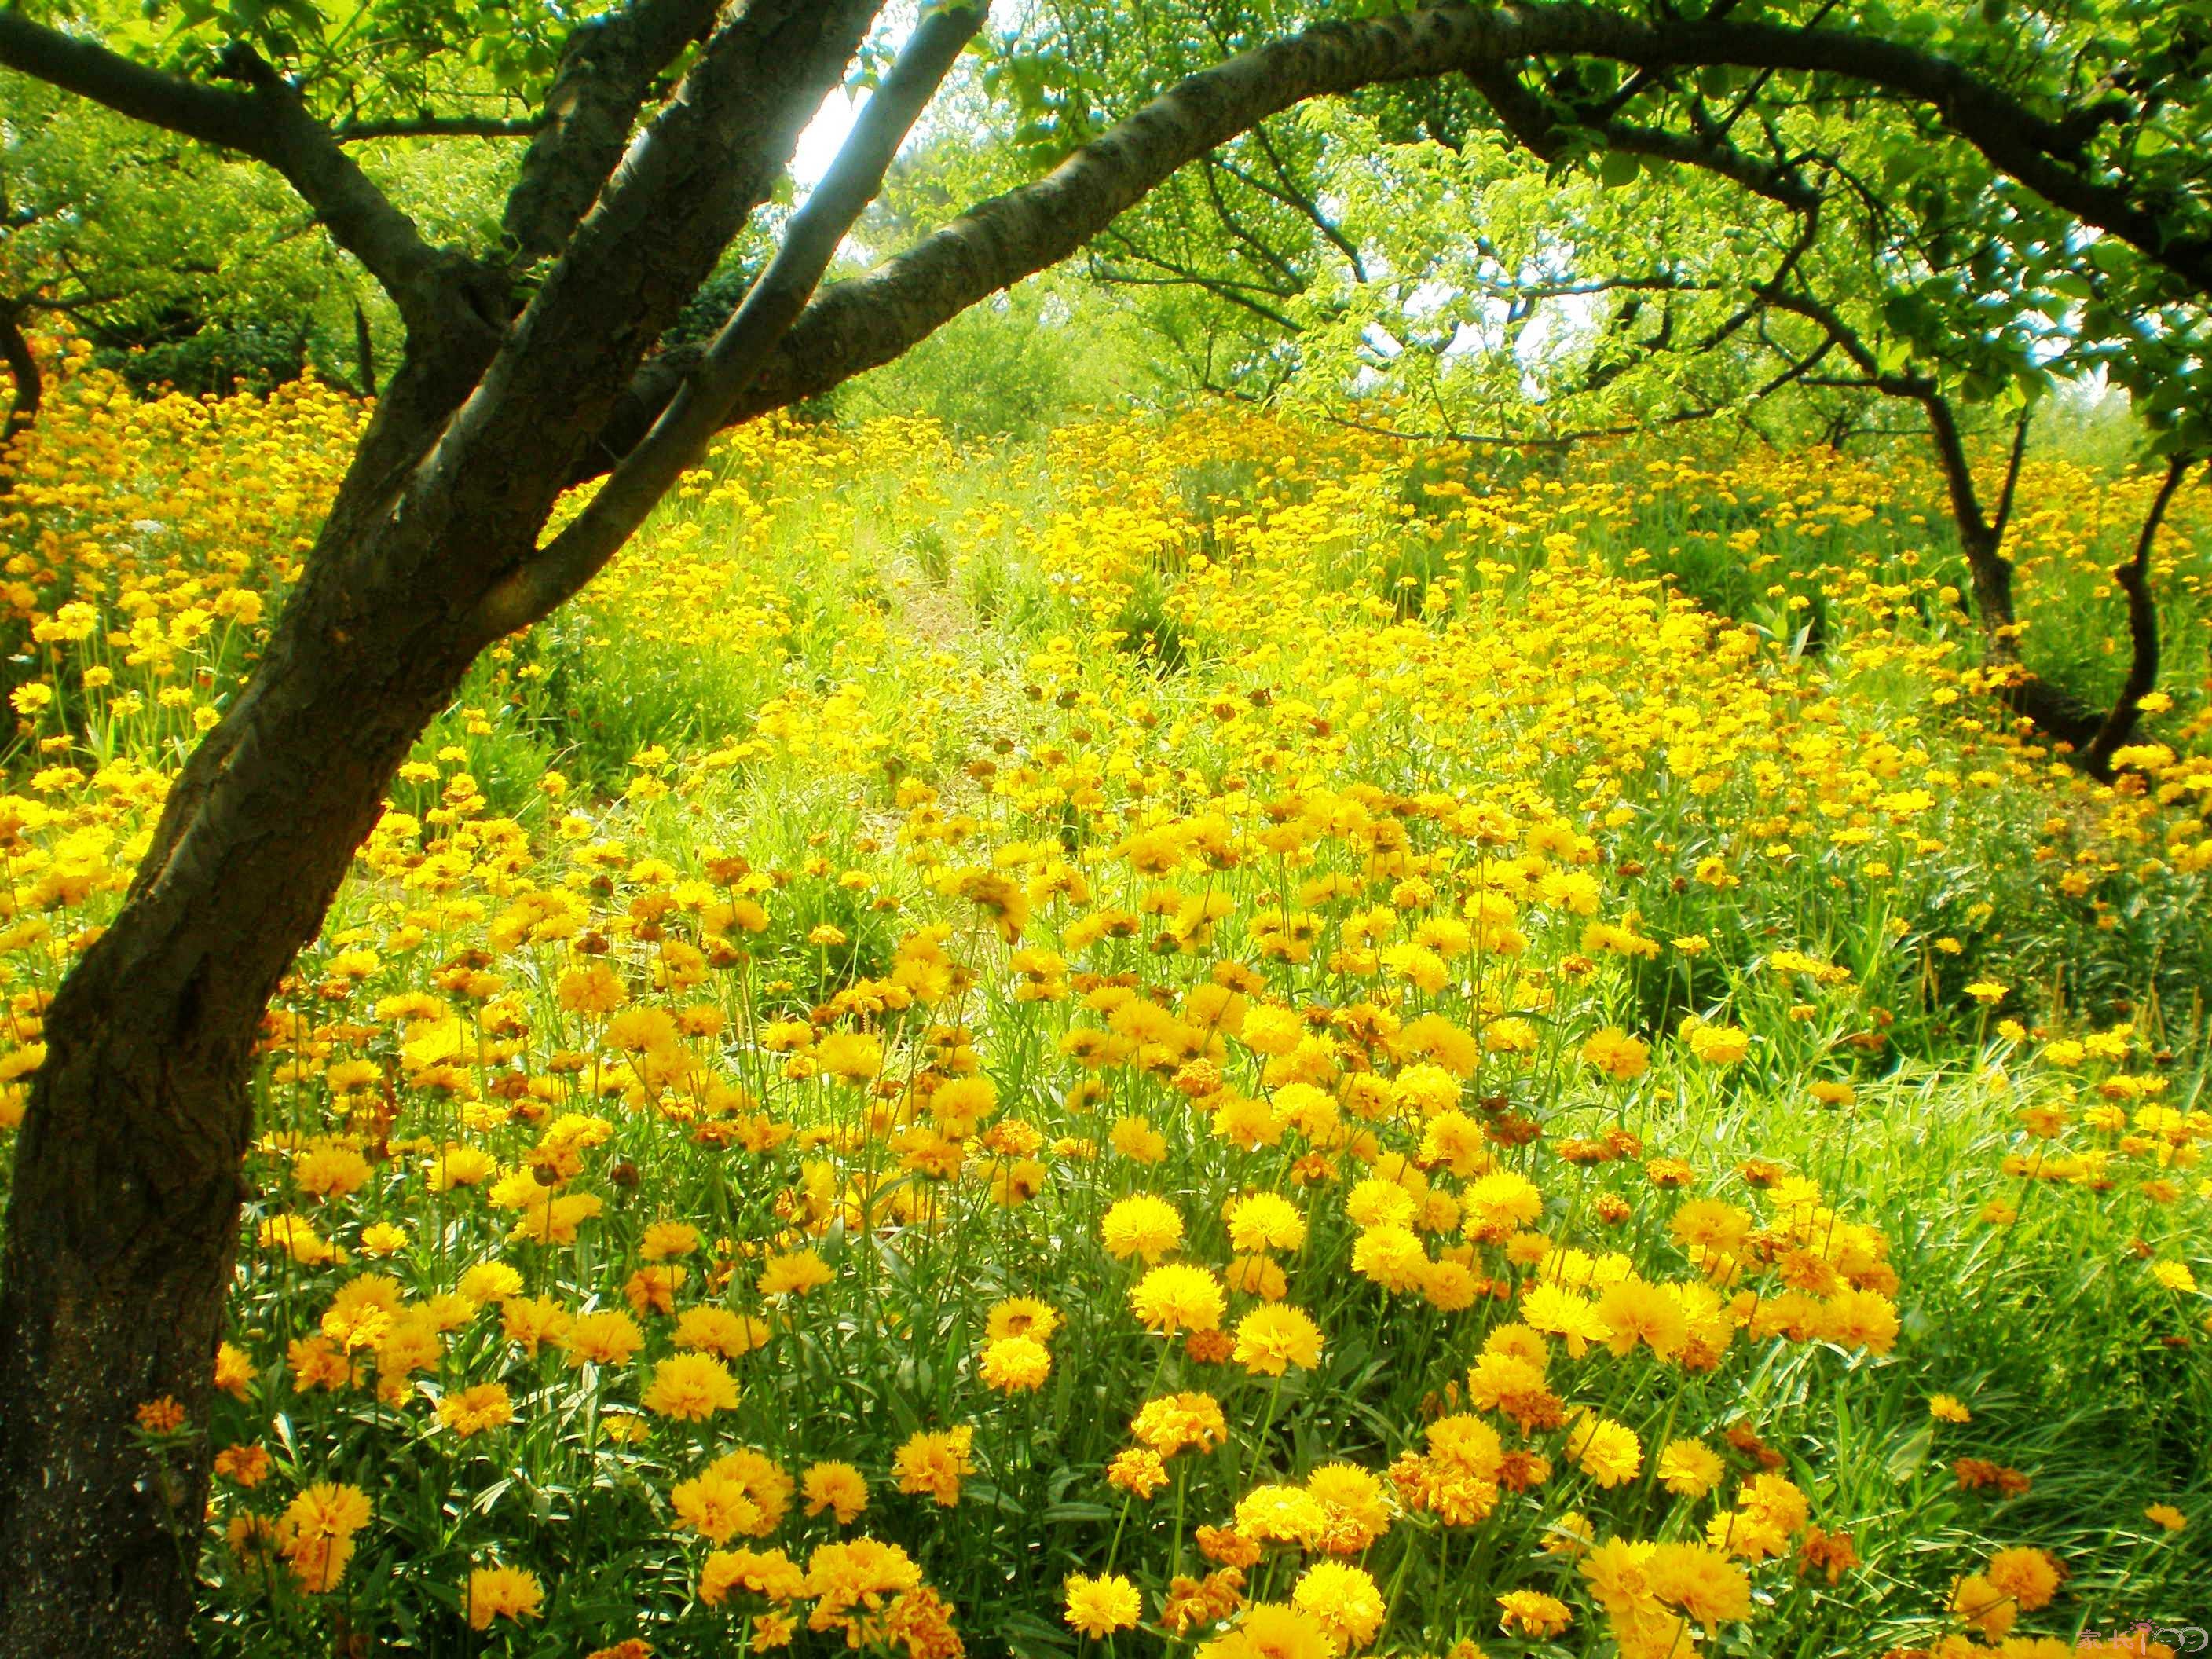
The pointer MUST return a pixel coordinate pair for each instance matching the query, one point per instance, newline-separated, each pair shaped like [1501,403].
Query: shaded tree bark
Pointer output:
[30,387]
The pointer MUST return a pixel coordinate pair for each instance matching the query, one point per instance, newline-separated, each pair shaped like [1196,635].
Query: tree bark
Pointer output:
[2133,580]
[30,387]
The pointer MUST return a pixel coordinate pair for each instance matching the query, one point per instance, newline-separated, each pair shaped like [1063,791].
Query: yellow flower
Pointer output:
[246,1465]
[713,1329]
[854,1056]
[1268,1339]
[741,1492]
[1137,1470]
[499,1592]
[691,1387]
[1141,1226]
[608,1337]
[1280,1513]
[315,1532]
[1022,1315]
[1343,1600]
[1013,1363]
[590,988]
[1099,1607]
[2030,1576]
[1608,1452]
[1177,1297]
[838,1488]
[473,1410]
[1690,1468]
[859,1573]
[797,1273]
[2174,1275]
[233,1370]
[664,1239]
[1177,1421]
[1534,1614]
[1718,1045]
[1619,1055]
[770,1573]
[934,1464]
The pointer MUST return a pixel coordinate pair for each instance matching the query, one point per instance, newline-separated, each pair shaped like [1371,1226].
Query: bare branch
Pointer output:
[438,126]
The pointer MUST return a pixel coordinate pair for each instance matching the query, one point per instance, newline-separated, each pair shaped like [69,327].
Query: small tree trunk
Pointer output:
[30,387]
[364,350]
[2051,709]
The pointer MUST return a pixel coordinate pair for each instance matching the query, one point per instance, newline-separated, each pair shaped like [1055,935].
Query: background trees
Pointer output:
[1918,186]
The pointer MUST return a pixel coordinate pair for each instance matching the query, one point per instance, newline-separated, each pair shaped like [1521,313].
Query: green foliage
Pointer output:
[1010,368]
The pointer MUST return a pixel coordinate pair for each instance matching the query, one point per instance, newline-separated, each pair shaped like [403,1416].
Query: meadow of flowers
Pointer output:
[1207,1036]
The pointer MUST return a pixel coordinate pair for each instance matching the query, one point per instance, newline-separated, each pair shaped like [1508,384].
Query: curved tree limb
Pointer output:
[680,438]
[2133,579]
[269,123]
[439,126]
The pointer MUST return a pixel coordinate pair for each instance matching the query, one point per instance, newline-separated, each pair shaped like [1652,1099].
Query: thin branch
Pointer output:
[2011,486]
[269,123]
[2134,580]
[680,438]
[439,126]
[1285,191]
[1241,294]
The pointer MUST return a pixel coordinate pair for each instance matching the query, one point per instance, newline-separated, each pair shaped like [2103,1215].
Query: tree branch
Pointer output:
[2134,580]
[269,123]
[23,365]
[680,438]
[853,326]
[608,69]
[438,126]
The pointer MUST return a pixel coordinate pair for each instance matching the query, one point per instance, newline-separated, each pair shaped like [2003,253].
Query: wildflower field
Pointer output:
[1203,1036]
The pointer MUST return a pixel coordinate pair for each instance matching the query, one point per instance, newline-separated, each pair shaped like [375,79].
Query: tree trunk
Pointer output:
[124,1216]
[2133,580]
[30,387]
[102,1534]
